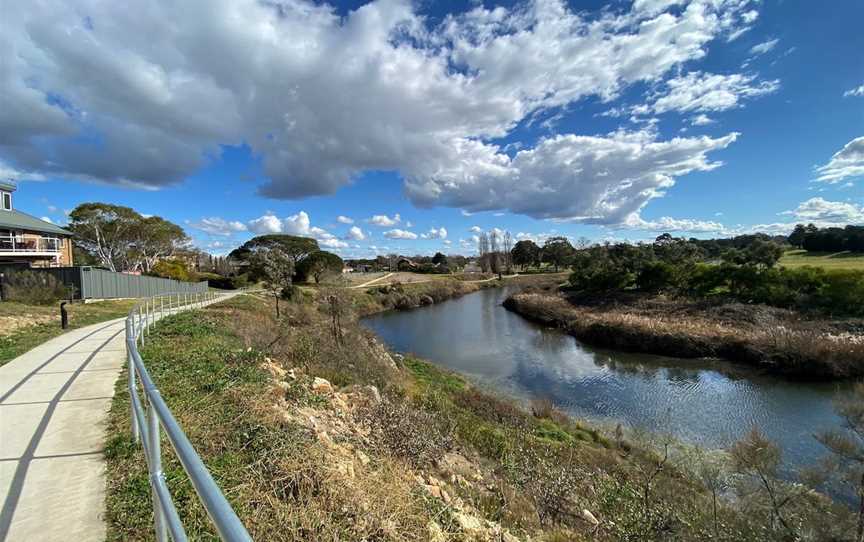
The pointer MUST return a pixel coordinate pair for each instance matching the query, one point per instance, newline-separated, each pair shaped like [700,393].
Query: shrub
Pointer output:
[843,292]
[33,288]
[657,276]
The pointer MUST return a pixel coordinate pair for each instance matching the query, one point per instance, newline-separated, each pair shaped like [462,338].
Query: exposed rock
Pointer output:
[433,490]
[274,369]
[381,354]
[426,300]
[321,386]
[436,533]
[468,523]
[374,394]
[589,517]
[364,459]
[507,537]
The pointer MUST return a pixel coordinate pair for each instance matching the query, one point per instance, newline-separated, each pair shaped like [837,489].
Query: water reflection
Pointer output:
[711,403]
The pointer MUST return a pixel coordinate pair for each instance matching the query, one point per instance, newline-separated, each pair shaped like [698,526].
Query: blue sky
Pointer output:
[703,118]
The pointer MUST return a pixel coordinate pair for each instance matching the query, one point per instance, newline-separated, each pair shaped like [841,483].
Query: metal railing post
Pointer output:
[156,470]
[136,432]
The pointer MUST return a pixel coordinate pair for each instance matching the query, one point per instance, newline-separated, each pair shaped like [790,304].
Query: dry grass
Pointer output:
[433,459]
[771,338]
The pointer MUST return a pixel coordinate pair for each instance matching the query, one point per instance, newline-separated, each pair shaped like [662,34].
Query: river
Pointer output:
[704,402]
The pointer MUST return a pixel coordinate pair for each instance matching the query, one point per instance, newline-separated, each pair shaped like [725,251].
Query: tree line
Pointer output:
[813,239]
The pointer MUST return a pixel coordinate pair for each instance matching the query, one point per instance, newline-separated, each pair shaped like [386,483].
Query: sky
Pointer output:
[410,127]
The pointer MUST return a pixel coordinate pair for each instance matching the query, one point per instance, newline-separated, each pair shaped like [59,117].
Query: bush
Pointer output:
[33,288]
[843,292]
[657,276]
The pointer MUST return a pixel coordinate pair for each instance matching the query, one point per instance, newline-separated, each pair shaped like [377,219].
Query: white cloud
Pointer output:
[344,219]
[298,224]
[265,224]
[669,224]
[421,95]
[439,233]
[704,92]
[400,234]
[356,234]
[846,163]
[591,179]
[858,91]
[219,226]
[47,219]
[821,211]
[702,120]
[764,47]
[447,242]
[475,229]
[384,220]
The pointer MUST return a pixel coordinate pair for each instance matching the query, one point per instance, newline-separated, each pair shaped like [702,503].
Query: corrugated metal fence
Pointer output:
[94,283]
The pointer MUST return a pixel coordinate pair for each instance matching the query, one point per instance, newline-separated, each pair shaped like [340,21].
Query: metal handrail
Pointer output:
[147,425]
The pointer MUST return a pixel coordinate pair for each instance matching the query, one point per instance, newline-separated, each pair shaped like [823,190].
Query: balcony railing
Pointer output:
[29,244]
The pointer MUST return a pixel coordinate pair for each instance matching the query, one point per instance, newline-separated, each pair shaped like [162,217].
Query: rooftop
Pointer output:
[22,221]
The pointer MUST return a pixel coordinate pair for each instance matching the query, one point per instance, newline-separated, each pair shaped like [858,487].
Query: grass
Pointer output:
[771,339]
[826,260]
[23,327]
[433,458]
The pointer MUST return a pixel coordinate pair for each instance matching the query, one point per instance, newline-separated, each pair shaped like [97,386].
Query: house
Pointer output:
[27,240]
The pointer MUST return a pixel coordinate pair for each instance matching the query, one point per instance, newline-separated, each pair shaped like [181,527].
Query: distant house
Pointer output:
[27,240]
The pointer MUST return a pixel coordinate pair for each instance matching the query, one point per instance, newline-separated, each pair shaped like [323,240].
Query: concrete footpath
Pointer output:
[54,403]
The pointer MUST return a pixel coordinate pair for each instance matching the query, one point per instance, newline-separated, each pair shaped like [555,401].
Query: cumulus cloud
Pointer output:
[356,234]
[422,94]
[219,226]
[298,224]
[821,211]
[590,179]
[704,92]
[384,220]
[764,47]
[858,91]
[344,219]
[435,233]
[669,224]
[702,120]
[475,229]
[400,234]
[265,224]
[846,163]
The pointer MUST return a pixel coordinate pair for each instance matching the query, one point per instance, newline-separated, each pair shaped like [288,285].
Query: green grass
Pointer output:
[825,260]
[46,322]
[203,375]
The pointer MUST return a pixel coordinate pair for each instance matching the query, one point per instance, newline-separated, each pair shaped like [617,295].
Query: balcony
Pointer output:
[26,244]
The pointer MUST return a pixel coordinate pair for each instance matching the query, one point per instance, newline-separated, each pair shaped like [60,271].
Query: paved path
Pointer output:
[54,402]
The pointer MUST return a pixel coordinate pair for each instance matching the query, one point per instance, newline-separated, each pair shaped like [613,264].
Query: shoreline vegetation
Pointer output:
[775,340]
[315,431]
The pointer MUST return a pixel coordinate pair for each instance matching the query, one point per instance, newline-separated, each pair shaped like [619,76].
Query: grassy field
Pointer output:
[24,326]
[826,260]
[396,450]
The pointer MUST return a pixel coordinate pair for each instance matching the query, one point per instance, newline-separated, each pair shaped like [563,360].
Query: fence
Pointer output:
[95,283]
[152,416]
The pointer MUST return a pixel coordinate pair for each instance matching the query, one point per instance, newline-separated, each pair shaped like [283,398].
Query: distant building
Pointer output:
[25,239]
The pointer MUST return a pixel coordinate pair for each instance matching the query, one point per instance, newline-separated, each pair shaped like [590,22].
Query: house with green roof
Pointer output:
[25,239]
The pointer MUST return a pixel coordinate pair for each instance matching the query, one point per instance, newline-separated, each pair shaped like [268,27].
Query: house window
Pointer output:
[7,201]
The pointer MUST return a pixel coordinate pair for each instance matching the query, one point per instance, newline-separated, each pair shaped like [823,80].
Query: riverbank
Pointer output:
[315,431]
[408,296]
[775,340]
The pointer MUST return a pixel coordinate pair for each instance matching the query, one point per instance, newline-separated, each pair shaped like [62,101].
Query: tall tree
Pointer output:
[105,231]
[123,240]
[319,265]
[525,253]
[557,251]
[439,259]
[278,269]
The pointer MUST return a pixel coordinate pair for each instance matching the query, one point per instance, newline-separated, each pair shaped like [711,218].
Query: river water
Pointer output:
[710,403]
